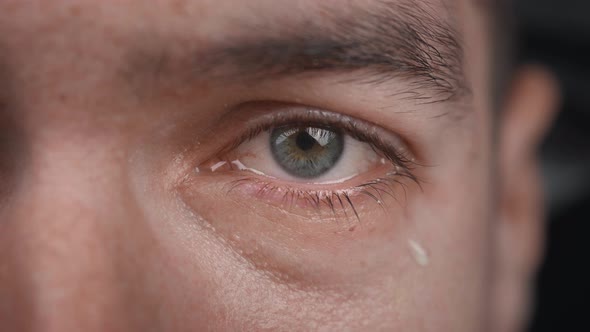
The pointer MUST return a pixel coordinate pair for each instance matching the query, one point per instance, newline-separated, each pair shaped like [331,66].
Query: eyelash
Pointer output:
[337,201]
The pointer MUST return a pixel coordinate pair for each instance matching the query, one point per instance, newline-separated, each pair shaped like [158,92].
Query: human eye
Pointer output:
[313,162]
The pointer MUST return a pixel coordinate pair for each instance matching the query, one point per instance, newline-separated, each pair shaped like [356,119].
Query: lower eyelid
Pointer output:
[236,168]
[349,200]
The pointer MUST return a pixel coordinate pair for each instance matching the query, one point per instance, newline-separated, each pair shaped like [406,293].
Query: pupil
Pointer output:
[304,141]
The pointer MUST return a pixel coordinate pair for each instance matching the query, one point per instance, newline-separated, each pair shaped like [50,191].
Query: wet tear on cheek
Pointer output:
[419,253]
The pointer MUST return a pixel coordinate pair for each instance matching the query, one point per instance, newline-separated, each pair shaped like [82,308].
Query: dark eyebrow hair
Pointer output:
[381,41]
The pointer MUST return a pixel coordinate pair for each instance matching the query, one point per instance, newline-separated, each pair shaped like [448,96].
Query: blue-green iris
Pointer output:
[306,152]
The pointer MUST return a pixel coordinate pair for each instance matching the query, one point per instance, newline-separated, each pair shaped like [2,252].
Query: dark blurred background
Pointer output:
[557,33]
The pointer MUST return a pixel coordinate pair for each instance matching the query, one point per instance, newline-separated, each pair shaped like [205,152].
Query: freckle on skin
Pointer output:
[75,10]
[179,7]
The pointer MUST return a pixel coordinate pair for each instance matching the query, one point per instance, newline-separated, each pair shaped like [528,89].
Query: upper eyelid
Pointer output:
[272,114]
[261,116]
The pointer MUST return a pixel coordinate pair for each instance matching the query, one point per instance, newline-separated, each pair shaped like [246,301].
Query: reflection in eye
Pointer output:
[316,159]
[306,152]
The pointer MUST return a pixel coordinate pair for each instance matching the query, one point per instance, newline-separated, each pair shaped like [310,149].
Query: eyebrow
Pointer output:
[381,42]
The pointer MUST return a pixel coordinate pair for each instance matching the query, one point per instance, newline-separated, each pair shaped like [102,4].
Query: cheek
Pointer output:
[452,222]
[229,267]
[223,285]
[242,271]
[303,252]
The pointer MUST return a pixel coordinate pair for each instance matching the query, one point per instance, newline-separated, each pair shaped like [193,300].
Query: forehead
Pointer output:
[116,27]
[205,17]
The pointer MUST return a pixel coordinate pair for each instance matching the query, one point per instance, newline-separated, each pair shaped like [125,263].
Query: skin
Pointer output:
[105,226]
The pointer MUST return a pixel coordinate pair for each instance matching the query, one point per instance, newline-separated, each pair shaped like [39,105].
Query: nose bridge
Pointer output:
[61,236]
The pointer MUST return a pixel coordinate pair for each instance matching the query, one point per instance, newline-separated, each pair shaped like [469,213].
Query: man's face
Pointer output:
[245,165]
